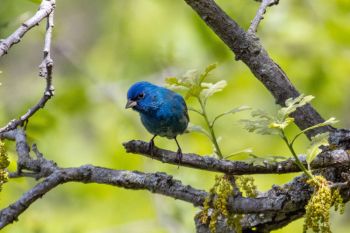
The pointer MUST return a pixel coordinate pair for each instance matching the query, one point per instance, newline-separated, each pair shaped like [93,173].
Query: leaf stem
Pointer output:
[297,160]
[211,128]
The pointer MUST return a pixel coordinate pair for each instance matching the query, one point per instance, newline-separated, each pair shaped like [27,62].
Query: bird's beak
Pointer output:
[130,104]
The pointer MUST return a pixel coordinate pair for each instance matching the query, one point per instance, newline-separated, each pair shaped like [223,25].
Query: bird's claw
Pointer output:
[151,147]
[179,157]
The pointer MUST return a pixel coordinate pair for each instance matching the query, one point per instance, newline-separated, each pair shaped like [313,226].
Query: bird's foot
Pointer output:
[179,157]
[151,147]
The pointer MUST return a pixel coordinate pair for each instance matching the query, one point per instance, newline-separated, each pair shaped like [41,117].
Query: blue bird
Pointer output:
[162,111]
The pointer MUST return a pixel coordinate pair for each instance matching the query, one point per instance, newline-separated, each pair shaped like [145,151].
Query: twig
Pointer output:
[260,14]
[46,7]
[45,71]
[326,159]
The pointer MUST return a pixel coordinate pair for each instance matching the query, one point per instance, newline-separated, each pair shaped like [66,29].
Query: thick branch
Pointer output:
[45,9]
[247,48]
[287,201]
[326,159]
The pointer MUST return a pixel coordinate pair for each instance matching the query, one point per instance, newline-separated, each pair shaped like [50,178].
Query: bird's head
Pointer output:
[138,97]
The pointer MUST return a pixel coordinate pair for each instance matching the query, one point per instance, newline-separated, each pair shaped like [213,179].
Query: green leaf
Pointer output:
[206,72]
[172,80]
[209,89]
[293,104]
[262,114]
[316,142]
[330,121]
[192,81]
[260,127]
[232,111]
[283,124]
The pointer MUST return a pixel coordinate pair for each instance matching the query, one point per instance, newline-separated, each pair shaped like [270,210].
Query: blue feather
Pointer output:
[162,111]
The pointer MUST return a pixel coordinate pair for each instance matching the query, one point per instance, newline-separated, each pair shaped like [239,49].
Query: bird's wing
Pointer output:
[182,102]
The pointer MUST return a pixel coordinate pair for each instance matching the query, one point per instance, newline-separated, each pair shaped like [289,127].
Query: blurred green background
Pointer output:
[101,47]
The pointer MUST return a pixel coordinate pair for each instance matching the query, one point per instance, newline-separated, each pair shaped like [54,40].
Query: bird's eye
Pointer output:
[141,95]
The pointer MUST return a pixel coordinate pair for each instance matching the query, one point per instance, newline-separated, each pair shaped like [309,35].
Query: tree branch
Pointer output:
[287,202]
[260,14]
[45,68]
[46,7]
[278,203]
[155,183]
[247,48]
[332,158]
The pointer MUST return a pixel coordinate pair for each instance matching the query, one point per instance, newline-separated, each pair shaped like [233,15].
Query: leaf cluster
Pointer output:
[195,85]
[268,124]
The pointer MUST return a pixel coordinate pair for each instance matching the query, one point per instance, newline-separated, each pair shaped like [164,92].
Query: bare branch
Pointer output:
[46,7]
[247,48]
[45,71]
[260,14]
[155,183]
[326,159]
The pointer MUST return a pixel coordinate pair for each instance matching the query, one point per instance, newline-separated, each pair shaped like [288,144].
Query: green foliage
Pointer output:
[4,163]
[194,85]
[315,144]
[267,124]
[292,105]
[317,209]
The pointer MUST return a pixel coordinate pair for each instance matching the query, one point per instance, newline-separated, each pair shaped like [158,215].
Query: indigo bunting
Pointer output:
[162,111]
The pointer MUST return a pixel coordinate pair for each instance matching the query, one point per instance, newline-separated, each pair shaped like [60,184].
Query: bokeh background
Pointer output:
[101,47]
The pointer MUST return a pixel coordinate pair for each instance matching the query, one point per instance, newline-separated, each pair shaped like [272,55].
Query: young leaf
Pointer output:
[261,123]
[186,82]
[283,124]
[316,142]
[232,111]
[293,104]
[210,89]
[260,127]
[206,72]
[262,114]
[330,121]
